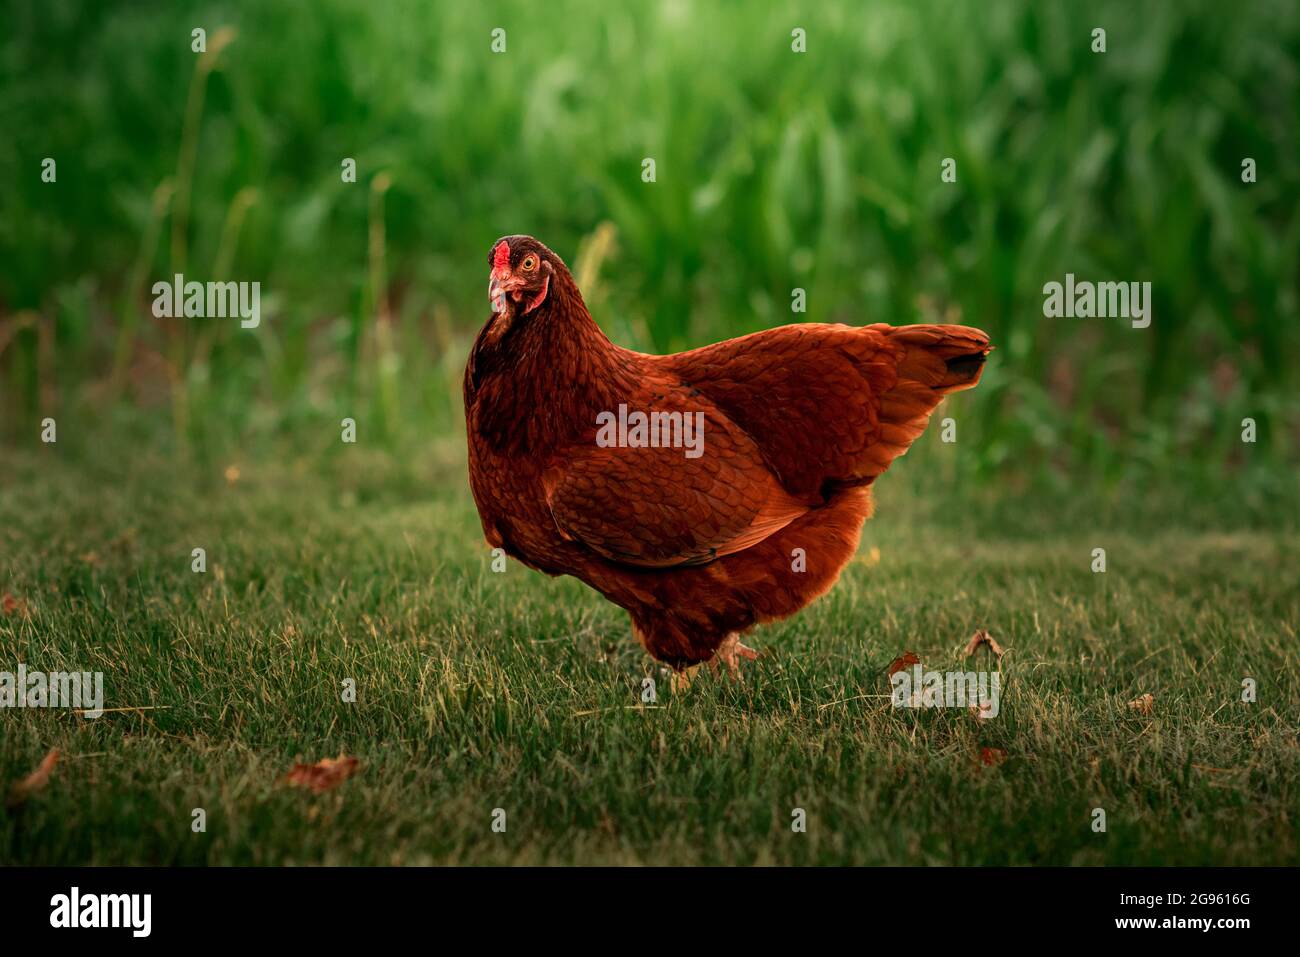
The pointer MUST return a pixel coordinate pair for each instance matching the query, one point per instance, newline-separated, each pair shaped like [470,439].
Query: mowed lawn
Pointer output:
[478,690]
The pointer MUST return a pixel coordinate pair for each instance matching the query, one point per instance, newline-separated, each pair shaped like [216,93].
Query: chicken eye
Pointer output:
[530,263]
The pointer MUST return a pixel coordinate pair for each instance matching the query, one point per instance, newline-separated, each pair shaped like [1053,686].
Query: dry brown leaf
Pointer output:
[34,782]
[1143,704]
[992,757]
[324,774]
[982,637]
[906,660]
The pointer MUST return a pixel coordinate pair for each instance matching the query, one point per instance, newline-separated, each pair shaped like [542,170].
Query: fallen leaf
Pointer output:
[982,637]
[992,757]
[324,774]
[34,782]
[1143,704]
[906,660]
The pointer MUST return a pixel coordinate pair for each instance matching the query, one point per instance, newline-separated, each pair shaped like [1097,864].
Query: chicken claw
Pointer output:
[680,681]
[729,654]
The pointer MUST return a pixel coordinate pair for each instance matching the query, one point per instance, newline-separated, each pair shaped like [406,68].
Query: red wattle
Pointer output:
[537,300]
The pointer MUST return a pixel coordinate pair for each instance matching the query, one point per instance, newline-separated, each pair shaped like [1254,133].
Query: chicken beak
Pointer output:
[500,284]
[503,286]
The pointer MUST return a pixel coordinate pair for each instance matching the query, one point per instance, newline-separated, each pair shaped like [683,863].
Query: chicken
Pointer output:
[704,492]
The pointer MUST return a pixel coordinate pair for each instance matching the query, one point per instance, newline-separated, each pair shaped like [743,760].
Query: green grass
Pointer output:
[480,690]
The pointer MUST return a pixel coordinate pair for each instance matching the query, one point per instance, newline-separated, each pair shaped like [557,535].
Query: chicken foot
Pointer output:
[728,655]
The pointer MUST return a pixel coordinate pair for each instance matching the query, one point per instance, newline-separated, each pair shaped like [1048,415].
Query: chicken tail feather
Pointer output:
[964,371]
[932,361]
[943,358]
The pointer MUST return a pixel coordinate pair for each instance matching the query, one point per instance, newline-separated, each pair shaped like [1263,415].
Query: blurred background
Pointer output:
[774,170]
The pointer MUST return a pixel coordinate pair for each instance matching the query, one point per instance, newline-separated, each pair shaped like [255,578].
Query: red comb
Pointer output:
[501,255]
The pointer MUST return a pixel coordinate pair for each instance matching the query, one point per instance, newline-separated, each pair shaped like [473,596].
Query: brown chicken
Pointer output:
[704,492]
